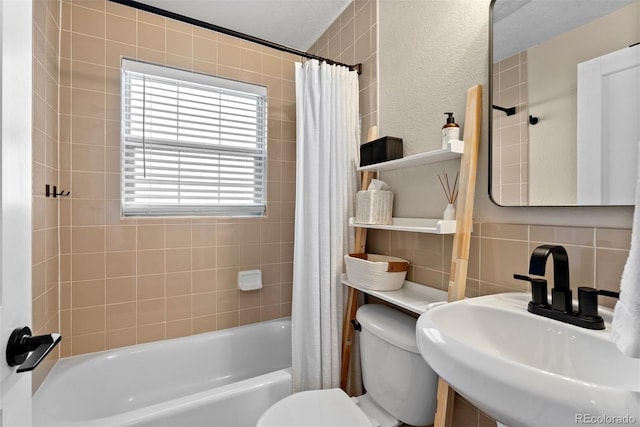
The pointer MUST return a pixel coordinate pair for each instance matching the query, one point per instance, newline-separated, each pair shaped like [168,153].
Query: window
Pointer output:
[192,144]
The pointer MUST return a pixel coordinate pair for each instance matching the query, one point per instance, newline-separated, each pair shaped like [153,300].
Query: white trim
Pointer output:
[16,45]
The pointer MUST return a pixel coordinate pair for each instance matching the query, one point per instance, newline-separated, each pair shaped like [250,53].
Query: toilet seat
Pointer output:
[321,408]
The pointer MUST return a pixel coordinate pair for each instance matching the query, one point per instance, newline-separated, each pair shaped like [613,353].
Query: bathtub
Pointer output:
[223,378]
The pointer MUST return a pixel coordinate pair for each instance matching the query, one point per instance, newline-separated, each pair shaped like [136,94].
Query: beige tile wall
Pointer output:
[127,281]
[44,222]
[353,39]
[467,415]
[596,255]
[511,133]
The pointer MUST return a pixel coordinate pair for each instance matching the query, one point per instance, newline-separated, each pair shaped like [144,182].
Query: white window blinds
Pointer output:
[192,144]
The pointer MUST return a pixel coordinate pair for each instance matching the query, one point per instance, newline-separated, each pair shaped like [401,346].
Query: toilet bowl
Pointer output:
[401,387]
[331,407]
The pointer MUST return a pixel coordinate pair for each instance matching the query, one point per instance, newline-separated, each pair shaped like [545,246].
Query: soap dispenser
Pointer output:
[450,131]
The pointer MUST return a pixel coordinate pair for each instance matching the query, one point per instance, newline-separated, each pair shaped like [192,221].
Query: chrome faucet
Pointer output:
[561,307]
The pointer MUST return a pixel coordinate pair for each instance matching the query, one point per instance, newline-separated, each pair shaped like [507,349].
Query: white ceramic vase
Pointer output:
[449,212]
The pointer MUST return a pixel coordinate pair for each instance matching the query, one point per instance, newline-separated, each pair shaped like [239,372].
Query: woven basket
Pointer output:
[376,272]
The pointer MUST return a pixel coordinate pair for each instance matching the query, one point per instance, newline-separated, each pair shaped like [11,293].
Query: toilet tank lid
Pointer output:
[389,324]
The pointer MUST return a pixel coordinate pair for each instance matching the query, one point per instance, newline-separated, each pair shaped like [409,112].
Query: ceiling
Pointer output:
[521,24]
[518,24]
[292,23]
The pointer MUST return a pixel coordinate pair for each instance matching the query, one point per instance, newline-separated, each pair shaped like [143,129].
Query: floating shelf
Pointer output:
[417,225]
[453,151]
[411,296]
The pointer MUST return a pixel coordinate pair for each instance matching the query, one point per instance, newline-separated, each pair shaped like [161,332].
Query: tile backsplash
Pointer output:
[596,255]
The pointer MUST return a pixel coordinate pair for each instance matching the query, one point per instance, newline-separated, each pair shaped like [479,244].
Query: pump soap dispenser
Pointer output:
[450,131]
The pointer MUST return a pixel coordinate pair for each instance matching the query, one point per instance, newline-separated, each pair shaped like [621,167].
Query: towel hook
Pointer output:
[49,192]
[509,111]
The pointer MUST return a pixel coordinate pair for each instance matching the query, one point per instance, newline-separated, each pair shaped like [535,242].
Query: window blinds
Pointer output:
[192,144]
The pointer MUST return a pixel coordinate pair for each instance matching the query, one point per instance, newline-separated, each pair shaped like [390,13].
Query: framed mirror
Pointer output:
[564,125]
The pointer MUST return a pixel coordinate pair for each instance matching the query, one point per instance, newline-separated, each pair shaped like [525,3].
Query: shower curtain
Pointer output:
[327,144]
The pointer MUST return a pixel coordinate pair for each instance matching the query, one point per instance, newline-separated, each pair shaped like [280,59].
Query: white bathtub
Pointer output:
[223,378]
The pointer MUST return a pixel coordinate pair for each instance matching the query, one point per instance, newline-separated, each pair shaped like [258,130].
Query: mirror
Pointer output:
[565,101]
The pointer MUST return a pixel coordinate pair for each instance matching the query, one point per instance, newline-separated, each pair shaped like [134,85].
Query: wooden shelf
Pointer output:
[411,296]
[454,151]
[417,225]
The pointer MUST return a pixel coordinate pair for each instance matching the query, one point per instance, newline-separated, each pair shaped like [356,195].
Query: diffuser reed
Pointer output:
[450,192]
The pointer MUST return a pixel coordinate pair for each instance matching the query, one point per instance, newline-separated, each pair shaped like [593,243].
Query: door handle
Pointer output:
[21,343]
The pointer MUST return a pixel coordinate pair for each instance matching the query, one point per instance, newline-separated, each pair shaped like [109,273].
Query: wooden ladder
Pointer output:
[460,251]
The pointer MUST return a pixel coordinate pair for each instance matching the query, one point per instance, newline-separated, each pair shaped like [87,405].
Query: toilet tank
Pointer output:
[394,373]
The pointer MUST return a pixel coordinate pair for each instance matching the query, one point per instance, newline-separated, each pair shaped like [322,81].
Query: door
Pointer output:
[608,128]
[15,200]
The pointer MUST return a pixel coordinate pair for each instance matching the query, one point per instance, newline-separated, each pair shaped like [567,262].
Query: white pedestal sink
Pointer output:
[527,370]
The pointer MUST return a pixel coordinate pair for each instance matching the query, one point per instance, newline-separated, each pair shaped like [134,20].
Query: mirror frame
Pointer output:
[490,134]
[490,108]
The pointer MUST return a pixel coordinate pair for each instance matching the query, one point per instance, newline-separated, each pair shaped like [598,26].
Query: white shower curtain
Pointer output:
[327,144]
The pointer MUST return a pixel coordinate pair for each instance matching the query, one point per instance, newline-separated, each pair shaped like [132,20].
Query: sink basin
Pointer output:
[527,370]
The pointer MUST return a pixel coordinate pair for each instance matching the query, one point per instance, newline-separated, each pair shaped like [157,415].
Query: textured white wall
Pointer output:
[430,52]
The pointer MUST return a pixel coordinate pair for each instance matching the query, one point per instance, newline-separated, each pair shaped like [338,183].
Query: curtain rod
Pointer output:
[232,33]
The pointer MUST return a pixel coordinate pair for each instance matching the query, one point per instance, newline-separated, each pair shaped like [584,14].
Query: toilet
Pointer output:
[401,387]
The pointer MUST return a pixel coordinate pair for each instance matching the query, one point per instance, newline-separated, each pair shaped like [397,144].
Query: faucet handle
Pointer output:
[588,300]
[22,344]
[611,294]
[538,289]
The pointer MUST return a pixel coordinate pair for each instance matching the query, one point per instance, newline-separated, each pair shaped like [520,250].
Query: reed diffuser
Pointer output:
[451,194]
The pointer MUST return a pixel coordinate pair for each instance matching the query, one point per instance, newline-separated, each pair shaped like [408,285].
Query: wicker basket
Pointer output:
[376,272]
